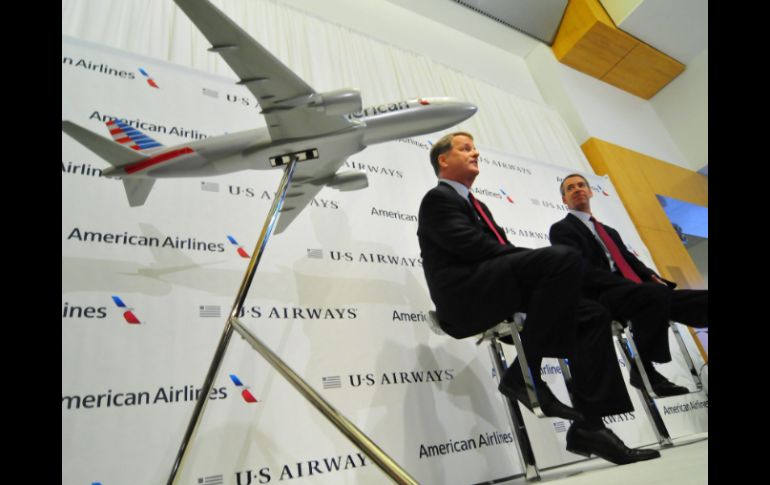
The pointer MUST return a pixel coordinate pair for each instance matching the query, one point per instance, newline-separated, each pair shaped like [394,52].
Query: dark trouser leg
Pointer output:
[690,307]
[598,387]
[648,306]
[549,281]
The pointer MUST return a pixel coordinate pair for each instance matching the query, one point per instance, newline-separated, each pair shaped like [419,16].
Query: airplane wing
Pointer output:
[283,96]
[308,180]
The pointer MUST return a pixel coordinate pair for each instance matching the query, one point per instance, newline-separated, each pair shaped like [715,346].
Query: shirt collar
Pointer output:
[461,189]
[583,216]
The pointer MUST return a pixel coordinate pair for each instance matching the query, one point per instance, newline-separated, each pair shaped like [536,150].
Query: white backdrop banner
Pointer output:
[340,296]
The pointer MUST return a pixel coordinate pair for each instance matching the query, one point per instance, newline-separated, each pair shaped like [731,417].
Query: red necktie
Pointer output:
[484,216]
[620,261]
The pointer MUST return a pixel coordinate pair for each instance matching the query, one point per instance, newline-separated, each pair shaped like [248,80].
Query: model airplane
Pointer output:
[320,130]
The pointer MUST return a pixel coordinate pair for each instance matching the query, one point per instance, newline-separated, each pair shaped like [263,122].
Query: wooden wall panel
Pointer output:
[590,42]
[638,178]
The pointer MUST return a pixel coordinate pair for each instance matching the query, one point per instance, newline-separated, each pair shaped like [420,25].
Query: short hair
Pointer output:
[561,186]
[443,145]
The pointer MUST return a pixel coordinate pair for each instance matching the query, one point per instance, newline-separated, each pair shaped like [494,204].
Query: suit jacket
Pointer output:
[572,232]
[461,261]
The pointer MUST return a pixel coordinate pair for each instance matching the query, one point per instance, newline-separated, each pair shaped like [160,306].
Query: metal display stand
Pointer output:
[374,452]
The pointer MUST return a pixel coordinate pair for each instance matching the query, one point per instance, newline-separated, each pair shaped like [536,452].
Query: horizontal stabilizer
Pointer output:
[113,153]
[137,190]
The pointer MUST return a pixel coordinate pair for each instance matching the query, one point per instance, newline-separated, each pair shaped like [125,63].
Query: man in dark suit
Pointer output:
[477,278]
[625,286]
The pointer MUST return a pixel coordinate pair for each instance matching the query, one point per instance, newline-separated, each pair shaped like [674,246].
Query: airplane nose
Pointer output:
[464,110]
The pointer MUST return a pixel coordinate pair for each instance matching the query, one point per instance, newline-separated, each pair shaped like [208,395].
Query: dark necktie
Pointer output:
[620,261]
[484,216]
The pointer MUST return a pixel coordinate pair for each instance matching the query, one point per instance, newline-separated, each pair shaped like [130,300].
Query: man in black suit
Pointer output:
[477,278]
[625,286]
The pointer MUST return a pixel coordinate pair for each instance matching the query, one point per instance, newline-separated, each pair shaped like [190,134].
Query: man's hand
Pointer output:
[658,280]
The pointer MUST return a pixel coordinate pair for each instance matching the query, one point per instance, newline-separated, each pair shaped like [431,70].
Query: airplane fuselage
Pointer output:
[255,150]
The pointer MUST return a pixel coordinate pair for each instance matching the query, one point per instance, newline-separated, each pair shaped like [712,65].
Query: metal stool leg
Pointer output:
[625,342]
[529,380]
[515,419]
[567,375]
[687,357]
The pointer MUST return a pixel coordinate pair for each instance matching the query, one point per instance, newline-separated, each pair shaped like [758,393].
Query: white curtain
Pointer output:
[383,73]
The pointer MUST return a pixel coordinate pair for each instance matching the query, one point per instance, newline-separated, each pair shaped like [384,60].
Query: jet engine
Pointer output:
[339,102]
[347,181]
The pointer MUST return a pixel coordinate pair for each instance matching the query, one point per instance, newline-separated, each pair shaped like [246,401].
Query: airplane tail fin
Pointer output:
[115,154]
[118,155]
[131,137]
[137,190]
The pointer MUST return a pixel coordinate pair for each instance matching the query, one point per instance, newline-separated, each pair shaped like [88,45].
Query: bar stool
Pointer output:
[623,336]
[513,326]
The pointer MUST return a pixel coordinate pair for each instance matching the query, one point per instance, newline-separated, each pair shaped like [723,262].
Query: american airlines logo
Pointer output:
[284,313]
[97,67]
[381,109]
[149,126]
[600,190]
[411,141]
[365,258]
[85,169]
[113,398]
[484,192]
[307,468]
[128,313]
[484,439]
[148,78]
[419,317]
[239,249]
[244,389]
[685,407]
[393,214]
[125,238]
[71,311]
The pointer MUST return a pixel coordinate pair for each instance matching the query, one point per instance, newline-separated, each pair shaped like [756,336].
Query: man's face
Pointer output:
[461,162]
[577,194]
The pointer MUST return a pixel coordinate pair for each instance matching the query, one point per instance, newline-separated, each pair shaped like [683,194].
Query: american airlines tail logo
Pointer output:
[150,80]
[600,189]
[507,197]
[128,314]
[241,252]
[247,396]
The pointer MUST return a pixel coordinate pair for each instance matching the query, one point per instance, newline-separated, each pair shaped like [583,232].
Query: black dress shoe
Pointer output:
[550,405]
[660,385]
[605,444]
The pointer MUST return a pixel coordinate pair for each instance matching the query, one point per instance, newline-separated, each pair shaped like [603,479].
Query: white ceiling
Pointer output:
[678,28]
